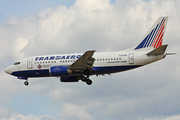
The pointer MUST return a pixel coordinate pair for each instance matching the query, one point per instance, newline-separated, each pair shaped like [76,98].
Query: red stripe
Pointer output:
[157,36]
[160,41]
[159,33]
[157,40]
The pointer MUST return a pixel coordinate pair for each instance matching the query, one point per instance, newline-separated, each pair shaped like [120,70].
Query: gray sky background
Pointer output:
[54,27]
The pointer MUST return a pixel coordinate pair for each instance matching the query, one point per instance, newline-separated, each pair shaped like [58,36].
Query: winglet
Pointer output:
[154,36]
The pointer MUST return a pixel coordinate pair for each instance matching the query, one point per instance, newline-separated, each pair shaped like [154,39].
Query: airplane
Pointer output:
[79,66]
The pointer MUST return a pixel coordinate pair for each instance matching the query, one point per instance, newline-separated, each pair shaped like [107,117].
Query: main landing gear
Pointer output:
[26,83]
[87,80]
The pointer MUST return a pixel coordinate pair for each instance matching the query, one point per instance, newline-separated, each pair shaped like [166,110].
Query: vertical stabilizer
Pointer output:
[154,37]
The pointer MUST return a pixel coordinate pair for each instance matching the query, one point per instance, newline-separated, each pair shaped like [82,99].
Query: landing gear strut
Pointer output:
[26,83]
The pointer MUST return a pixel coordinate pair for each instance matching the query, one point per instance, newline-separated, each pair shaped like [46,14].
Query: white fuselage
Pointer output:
[105,62]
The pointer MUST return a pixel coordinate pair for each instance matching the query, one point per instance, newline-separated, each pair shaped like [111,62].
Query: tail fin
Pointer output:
[154,37]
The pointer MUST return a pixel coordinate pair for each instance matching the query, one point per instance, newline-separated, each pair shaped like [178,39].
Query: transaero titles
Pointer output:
[58,57]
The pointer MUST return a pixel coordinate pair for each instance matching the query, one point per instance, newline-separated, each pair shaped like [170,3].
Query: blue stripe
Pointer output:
[147,44]
[32,73]
[142,43]
[148,38]
[97,70]
[156,31]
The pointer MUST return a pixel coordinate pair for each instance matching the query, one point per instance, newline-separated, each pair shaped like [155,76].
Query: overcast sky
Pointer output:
[29,28]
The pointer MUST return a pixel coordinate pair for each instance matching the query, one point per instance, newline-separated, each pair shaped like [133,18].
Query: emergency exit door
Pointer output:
[30,63]
[131,58]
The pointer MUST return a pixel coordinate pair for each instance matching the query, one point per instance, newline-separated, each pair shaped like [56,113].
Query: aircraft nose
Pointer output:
[8,70]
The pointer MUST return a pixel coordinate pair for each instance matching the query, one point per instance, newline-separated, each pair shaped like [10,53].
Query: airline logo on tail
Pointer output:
[154,37]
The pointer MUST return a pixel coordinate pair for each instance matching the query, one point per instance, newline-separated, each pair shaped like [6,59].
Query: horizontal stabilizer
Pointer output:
[171,53]
[158,51]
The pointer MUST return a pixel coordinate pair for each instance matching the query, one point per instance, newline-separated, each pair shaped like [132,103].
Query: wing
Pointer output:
[86,61]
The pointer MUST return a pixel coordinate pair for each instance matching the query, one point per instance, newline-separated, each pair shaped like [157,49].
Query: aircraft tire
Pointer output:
[84,79]
[26,83]
[88,81]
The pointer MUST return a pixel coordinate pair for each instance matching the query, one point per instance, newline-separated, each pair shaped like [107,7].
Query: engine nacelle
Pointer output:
[59,71]
[70,79]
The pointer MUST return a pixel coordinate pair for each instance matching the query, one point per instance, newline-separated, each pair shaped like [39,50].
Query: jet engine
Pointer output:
[70,79]
[59,71]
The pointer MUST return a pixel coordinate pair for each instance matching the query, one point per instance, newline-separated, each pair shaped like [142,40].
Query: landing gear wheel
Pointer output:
[88,81]
[26,83]
[83,79]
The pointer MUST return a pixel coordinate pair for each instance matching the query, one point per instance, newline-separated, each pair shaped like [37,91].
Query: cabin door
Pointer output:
[131,58]
[30,63]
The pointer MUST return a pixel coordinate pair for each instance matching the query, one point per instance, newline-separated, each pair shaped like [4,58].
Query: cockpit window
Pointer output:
[16,63]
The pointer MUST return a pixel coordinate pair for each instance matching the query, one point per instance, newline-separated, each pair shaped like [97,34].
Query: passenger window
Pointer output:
[54,61]
[48,61]
[51,61]
[34,62]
